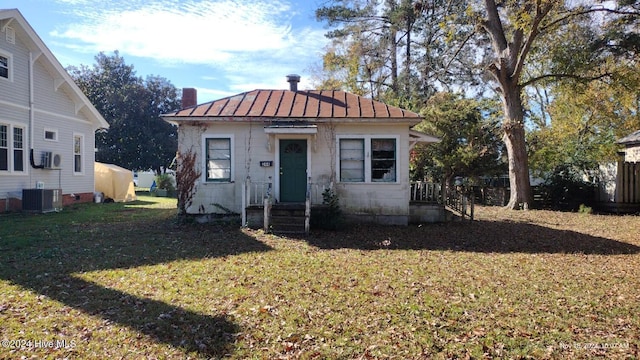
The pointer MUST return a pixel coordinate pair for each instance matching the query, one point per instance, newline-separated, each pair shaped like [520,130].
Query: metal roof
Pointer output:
[308,104]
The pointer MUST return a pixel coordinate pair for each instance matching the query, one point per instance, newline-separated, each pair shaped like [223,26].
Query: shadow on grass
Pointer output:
[476,236]
[139,203]
[47,268]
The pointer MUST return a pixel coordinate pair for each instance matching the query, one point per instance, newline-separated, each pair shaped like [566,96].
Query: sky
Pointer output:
[219,47]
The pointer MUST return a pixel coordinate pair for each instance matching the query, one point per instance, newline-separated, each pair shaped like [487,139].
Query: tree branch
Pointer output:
[541,12]
[585,12]
[564,76]
[455,55]
[493,25]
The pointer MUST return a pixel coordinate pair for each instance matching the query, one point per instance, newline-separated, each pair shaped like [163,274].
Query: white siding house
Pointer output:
[619,183]
[631,143]
[290,145]
[47,125]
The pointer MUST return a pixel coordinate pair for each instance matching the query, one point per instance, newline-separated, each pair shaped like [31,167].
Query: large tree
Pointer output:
[363,57]
[583,121]
[556,31]
[137,137]
[517,43]
[391,49]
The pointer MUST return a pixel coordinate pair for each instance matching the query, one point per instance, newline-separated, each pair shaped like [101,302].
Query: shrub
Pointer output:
[584,209]
[567,190]
[330,217]
[165,181]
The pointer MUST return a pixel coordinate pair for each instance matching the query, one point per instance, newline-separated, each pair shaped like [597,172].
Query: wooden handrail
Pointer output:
[461,202]
[422,191]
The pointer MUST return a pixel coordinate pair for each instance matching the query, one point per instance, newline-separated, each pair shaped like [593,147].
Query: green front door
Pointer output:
[293,170]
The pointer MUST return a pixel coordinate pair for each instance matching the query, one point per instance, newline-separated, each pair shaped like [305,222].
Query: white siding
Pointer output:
[16,91]
[216,197]
[54,109]
[632,154]
[371,198]
[251,146]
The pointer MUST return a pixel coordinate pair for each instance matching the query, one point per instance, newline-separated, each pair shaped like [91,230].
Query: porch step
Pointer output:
[287,219]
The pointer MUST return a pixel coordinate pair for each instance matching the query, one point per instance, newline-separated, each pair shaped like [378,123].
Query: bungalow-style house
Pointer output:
[288,146]
[47,125]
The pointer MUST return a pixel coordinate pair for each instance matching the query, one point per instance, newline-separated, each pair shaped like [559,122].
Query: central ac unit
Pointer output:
[51,160]
[41,200]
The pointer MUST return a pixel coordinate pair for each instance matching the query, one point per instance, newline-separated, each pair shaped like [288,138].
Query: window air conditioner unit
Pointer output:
[51,160]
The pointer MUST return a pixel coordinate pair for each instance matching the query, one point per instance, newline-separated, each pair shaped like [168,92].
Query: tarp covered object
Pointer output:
[115,182]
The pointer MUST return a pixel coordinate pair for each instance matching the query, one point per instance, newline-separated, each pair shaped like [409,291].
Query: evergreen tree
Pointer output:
[137,137]
[470,143]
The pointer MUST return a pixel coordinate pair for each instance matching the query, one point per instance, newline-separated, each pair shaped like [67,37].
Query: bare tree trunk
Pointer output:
[393,51]
[506,69]
[393,47]
[514,139]
[407,80]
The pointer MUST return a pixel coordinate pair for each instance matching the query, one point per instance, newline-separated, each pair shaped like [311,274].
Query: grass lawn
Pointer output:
[128,281]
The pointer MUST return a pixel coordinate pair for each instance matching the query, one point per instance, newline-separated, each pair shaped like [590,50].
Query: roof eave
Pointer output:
[631,139]
[421,137]
[36,43]
[232,119]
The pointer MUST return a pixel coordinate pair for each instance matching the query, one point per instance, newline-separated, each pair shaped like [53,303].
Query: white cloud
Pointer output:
[247,43]
[196,32]
[205,94]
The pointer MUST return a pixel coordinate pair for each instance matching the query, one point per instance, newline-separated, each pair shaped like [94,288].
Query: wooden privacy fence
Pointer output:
[628,182]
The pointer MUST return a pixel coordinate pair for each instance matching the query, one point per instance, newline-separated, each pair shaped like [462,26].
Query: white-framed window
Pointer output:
[6,64]
[351,160]
[4,147]
[78,151]
[383,160]
[12,148]
[369,158]
[50,134]
[218,156]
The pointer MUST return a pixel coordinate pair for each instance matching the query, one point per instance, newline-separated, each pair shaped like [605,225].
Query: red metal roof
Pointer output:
[294,104]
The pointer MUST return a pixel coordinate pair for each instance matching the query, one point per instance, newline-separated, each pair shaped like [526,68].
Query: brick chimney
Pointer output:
[189,97]
[293,81]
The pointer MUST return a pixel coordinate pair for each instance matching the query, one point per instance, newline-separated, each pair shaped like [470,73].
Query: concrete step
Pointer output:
[287,218]
[288,209]
[287,224]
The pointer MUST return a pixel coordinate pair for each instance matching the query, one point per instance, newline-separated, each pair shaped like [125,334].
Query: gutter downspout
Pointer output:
[31,117]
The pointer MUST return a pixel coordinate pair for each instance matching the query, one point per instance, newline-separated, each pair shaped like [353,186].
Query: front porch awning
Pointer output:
[416,137]
[291,129]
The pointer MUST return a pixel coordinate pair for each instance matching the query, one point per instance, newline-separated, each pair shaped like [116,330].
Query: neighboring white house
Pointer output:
[631,144]
[289,145]
[619,185]
[47,125]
